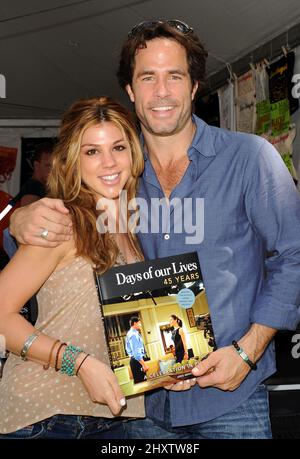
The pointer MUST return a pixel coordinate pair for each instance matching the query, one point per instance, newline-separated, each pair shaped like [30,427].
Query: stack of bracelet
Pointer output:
[69,357]
[28,343]
[47,365]
[69,360]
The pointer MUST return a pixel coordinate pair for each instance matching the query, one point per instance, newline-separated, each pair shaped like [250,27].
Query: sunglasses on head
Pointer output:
[178,25]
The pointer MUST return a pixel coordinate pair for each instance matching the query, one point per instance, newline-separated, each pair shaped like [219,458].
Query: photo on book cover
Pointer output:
[156,319]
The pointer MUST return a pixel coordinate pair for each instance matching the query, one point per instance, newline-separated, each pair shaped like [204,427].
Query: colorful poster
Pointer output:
[245,103]
[10,161]
[263,117]
[280,117]
[280,81]
[284,145]
[226,107]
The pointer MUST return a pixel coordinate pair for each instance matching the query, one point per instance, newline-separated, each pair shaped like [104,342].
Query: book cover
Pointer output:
[156,319]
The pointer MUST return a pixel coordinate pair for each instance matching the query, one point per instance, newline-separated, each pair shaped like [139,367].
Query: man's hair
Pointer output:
[195,51]
[43,148]
[133,320]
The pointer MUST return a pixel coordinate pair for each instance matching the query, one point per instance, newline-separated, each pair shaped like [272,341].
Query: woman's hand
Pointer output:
[101,384]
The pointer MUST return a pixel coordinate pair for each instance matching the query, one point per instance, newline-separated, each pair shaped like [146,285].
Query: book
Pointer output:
[156,319]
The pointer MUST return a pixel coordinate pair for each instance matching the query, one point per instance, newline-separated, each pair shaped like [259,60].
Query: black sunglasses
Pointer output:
[178,25]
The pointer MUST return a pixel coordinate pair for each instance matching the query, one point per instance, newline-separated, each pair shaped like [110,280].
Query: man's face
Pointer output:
[43,167]
[161,88]
[138,325]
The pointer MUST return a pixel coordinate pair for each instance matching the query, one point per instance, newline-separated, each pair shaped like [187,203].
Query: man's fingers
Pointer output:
[204,366]
[55,217]
[40,242]
[52,240]
[55,204]
[48,214]
[208,380]
[54,237]
[52,227]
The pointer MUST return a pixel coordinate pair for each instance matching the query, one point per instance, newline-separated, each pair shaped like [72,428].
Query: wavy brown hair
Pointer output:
[65,178]
[195,51]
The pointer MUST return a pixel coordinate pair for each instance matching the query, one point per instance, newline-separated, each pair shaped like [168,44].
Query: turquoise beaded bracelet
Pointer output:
[69,360]
[244,356]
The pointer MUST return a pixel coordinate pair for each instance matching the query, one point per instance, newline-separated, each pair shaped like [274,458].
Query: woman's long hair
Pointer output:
[65,180]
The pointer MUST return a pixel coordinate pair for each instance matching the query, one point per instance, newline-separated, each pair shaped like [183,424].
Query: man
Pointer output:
[136,351]
[35,187]
[251,207]
[32,190]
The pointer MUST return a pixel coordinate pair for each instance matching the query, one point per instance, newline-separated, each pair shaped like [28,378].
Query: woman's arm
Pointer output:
[19,281]
[182,334]
[21,278]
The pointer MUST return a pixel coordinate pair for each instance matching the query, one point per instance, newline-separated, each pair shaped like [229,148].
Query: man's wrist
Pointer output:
[256,340]
[12,225]
[244,356]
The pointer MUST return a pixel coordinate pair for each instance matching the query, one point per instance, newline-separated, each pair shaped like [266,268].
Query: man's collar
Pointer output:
[142,142]
[202,141]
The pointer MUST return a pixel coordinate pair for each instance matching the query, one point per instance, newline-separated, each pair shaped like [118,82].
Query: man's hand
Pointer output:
[27,223]
[223,369]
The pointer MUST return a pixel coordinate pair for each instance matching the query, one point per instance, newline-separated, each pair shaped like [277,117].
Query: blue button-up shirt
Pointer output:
[134,344]
[251,207]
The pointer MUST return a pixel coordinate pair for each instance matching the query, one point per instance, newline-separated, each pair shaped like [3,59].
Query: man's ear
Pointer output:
[194,90]
[130,92]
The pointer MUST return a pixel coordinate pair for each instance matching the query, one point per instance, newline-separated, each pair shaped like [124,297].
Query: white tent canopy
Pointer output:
[53,52]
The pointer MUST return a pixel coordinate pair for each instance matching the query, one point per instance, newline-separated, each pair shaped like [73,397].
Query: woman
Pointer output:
[178,337]
[62,386]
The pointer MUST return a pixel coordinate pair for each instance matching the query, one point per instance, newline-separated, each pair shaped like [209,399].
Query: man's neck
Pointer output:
[37,178]
[166,150]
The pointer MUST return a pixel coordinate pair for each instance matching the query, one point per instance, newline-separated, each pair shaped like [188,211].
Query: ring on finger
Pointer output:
[44,234]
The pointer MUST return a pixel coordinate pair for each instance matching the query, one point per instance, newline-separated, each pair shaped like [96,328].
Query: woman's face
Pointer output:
[105,160]
[172,322]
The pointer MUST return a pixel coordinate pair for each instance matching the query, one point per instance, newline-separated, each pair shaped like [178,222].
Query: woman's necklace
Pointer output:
[121,255]
[122,258]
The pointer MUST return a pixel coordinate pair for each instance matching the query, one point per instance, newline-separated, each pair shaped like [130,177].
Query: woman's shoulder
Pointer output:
[59,255]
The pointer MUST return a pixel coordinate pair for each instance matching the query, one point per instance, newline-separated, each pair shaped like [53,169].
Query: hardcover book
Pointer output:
[156,319]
